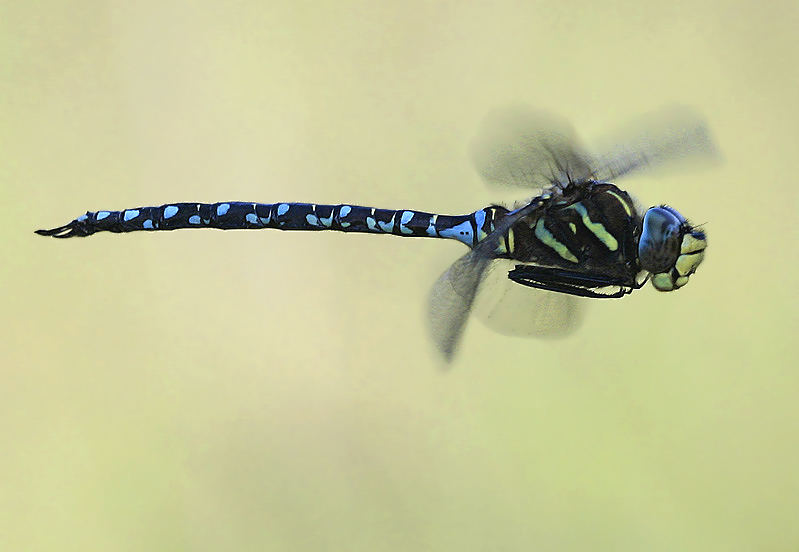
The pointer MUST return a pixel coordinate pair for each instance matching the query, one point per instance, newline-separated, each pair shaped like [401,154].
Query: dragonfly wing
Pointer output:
[454,292]
[512,309]
[451,301]
[522,147]
[527,148]
[671,137]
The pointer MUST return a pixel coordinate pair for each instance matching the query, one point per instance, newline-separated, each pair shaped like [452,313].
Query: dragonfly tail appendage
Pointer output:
[70,230]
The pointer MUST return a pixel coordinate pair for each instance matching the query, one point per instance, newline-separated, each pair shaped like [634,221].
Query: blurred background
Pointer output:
[278,391]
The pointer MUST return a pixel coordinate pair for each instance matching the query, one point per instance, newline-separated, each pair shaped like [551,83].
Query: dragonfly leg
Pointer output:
[572,283]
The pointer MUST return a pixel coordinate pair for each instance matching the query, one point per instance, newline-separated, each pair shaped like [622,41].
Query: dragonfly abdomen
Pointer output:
[237,215]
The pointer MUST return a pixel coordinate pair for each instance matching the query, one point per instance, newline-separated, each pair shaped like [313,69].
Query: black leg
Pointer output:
[571,283]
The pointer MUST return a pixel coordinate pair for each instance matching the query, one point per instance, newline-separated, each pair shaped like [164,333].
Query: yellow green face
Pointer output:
[669,248]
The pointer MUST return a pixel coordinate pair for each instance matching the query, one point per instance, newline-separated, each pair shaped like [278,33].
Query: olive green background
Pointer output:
[278,391]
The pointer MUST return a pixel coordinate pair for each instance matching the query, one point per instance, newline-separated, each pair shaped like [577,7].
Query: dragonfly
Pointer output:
[581,236]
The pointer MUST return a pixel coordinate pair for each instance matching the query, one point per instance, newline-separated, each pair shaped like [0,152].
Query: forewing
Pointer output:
[672,137]
[526,148]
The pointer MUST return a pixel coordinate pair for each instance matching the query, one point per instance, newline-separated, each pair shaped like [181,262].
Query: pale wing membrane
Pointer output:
[516,310]
[530,149]
[672,137]
[453,294]
[451,301]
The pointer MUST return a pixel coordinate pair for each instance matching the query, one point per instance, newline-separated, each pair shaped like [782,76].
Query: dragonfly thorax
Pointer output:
[669,248]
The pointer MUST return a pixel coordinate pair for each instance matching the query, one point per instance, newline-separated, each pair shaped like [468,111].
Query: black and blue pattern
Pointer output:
[237,215]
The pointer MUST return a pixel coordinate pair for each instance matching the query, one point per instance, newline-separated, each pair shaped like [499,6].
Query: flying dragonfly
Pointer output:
[582,236]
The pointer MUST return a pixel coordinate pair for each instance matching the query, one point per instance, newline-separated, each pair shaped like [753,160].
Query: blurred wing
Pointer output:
[672,137]
[451,301]
[453,294]
[513,309]
[526,148]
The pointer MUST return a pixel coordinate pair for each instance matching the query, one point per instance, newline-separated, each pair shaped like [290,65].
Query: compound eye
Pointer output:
[659,244]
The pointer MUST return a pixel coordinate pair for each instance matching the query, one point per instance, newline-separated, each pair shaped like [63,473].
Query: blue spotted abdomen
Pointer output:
[235,215]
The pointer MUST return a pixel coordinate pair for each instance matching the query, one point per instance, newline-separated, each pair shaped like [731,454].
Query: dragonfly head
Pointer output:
[669,248]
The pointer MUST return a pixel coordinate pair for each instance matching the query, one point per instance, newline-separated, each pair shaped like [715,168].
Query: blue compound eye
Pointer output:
[669,248]
[659,244]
